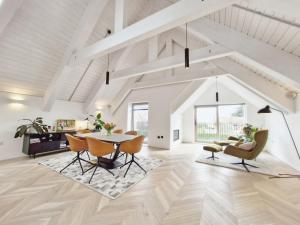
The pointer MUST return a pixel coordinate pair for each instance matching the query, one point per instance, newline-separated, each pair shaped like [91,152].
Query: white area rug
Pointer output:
[103,182]
[226,160]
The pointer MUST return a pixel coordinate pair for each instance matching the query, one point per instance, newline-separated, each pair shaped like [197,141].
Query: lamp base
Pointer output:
[286,175]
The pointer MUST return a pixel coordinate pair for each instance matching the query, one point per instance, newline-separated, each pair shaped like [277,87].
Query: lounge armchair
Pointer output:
[260,137]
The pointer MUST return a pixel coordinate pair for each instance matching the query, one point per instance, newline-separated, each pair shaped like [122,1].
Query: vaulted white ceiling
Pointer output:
[34,43]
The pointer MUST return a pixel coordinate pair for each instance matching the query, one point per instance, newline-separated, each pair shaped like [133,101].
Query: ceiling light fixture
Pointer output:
[107,71]
[217,93]
[186,51]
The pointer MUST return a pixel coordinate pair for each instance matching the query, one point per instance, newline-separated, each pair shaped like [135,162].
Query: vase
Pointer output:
[108,132]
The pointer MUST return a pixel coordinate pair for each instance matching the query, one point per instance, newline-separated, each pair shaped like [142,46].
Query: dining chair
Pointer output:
[118,131]
[76,145]
[99,149]
[131,132]
[85,131]
[132,147]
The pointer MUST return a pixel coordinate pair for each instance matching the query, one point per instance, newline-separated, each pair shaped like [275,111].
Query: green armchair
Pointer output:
[260,137]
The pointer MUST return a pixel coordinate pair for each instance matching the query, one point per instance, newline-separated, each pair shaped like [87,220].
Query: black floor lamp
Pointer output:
[267,109]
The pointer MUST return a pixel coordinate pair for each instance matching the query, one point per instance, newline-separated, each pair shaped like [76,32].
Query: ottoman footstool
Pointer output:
[213,148]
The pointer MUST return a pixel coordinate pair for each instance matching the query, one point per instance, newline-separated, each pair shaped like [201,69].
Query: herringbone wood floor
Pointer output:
[177,193]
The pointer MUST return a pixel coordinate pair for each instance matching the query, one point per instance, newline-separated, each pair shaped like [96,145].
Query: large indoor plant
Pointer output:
[36,125]
[99,123]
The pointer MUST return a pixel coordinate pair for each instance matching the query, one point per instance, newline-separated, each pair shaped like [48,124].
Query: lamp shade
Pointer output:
[266,109]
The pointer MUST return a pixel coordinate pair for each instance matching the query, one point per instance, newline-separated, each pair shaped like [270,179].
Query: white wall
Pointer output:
[226,96]
[280,144]
[159,99]
[13,108]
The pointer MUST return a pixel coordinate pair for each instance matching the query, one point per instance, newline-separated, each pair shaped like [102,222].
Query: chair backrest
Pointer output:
[118,131]
[85,131]
[132,146]
[260,137]
[131,132]
[99,148]
[76,144]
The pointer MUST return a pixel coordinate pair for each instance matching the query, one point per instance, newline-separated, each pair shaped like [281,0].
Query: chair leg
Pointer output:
[96,167]
[124,164]
[245,165]
[130,163]
[73,161]
[140,166]
[80,166]
[128,168]
[126,157]
[213,157]
[88,155]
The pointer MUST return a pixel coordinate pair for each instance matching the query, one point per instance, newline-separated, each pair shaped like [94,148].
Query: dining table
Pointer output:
[116,139]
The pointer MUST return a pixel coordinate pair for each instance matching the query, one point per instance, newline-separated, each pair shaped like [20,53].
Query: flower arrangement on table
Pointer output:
[109,127]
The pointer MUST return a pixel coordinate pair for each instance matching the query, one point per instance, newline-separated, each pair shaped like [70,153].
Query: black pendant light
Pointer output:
[186,51]
[217,93]
[107,72]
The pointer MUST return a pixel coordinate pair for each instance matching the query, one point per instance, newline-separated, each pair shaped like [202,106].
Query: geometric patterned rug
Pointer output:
[227,160]
[103,182]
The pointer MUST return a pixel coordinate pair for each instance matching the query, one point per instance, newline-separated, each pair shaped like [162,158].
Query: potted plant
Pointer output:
[36,125]
[99,123]
[109,127]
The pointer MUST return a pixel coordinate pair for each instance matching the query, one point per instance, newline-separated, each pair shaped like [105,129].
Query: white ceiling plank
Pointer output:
[281,65]
[271,92]
[89,103]
[173,16]
[189,95]
[119,15]
[196,56]
[8,9]
[80,37]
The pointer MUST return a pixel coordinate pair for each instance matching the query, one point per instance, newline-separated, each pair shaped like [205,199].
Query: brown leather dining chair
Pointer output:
[85,131]
[132,147]
[99,149]
[76,145]
[118,131]
[131,132]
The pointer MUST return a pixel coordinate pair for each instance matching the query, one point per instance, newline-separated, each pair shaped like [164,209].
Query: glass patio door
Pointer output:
[206,123]
[217,122]
[139,119]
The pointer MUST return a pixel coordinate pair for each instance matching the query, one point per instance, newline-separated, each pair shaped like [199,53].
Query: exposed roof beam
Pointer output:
[196,56]
[182,78]
[80,37]
[243,92]
[271,92]
[119,15]
[166,19]
[8,9]
[282,65]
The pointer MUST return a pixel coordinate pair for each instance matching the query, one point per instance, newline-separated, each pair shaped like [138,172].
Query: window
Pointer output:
[218,122]
[139,118]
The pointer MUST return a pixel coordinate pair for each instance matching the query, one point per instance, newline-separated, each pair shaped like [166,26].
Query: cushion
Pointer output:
[212,148]
[247,146]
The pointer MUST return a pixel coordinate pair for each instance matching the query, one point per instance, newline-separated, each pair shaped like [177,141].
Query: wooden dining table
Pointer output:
[116,139]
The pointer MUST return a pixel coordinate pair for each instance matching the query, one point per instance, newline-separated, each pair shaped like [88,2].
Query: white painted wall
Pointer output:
[13,110]
[280,144]
[159,99]
[226,96]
